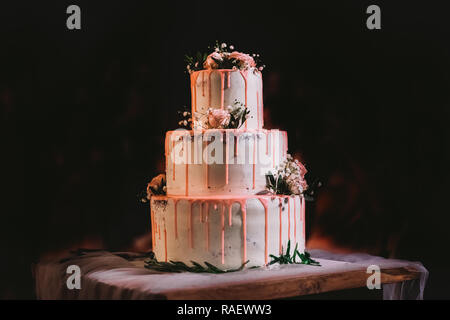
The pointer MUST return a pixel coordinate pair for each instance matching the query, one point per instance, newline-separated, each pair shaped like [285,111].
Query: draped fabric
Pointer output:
[106,275]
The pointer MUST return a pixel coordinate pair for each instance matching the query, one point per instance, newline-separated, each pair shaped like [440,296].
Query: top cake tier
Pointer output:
[219,88]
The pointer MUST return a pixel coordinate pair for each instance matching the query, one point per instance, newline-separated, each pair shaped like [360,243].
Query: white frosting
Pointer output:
[207,92]
[258,151]
[205,178]
[204,241]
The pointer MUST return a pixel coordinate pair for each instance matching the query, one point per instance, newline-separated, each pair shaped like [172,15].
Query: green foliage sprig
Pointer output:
[287,258]
[178,266]
[278,184]
[195,62]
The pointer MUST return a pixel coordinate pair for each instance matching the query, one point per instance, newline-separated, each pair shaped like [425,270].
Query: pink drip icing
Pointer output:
[173,164]
[295,219]
[285,142]
[175,201]
[165,242]
[206,166]
[289,218]
[257,107]
[273,147]
[281,227]
[229,79]
[167,152]
[209,88]
[159,231]
[194,76]
[226,156]
[152,224]
[303,217]
[207,227]
[222,229]
[244,76]
[230,207]
[244,228]
[203,84]
[266,229]
[191,244]
[254,160]
[236,140]
[222,93]
[192,94]
[262,103]
[187,170]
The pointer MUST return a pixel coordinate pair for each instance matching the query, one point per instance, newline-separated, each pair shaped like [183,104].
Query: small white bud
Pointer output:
[231,47]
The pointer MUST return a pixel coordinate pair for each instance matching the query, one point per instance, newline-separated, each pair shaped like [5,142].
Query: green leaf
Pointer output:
[286,258]
[179,266]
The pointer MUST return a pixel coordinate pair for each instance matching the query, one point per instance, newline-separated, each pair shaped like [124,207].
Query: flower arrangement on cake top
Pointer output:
[223,57]
[288,178]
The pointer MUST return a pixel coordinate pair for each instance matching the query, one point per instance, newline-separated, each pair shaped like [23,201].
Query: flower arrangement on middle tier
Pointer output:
[231,117]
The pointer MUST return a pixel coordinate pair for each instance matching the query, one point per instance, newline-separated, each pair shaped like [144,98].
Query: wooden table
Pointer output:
[117,278]
[288,281]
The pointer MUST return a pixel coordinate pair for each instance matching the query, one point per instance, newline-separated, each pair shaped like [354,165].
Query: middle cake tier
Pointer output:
[222,161]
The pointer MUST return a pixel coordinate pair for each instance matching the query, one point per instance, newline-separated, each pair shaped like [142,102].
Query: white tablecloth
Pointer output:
[108,275]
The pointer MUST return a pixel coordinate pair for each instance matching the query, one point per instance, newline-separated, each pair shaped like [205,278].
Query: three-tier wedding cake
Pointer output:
[219,200]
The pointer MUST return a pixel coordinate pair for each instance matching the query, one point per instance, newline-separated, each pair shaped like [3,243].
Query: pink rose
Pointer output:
[245,60]
[218,118]
[210,62]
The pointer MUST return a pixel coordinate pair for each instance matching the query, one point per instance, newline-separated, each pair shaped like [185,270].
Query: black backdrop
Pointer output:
[84,115]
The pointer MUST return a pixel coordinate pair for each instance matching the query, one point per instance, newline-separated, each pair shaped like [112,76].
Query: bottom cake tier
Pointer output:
[226,231]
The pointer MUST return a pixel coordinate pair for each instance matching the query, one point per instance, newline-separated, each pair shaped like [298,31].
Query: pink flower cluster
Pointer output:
[218,118]
[242,61]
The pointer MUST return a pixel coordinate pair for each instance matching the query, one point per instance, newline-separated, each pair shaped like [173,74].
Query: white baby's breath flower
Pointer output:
[292,173]
[231,47]
[185,114]
[223,45]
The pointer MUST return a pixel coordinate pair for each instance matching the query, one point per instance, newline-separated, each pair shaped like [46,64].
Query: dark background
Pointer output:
[84,113]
